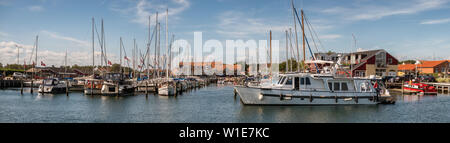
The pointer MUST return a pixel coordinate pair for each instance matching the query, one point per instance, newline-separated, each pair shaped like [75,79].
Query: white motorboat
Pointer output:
[52,85]
[311,89]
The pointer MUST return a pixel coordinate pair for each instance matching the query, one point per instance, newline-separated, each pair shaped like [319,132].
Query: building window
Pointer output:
[390,60]
[380,60]
[380,72]
[363,56]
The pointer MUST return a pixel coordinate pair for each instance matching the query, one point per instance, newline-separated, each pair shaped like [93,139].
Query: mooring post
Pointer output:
[21,86]
[31,87]
[67,87]
[92,88]
[402,87]
[146,88]
[117,89]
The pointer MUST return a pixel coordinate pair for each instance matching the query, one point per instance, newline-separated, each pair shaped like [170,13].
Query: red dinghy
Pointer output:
[420,87]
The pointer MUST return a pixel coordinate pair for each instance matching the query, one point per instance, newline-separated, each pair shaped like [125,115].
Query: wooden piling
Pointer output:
[21,86]
[31,91]
[92,87]
[117,89]
[67,87]
[146,88]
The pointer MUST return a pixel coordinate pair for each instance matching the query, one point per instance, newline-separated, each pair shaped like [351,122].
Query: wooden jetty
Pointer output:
[10,83]
[441,87]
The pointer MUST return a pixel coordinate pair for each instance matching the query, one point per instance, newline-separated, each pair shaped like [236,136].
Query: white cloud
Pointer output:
[3,34]
[142,9]
[374,12]
[330,36]
[58,36]
[436,21]
[8,55]
[35,8]
[238,25]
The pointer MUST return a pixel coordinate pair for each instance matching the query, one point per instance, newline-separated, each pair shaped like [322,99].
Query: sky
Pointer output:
[408,29]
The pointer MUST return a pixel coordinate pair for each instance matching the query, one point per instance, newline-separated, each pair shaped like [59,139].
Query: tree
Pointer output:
[115,68]
[408,62]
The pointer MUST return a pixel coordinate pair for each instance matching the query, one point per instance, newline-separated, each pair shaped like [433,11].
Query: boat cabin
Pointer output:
[306,81]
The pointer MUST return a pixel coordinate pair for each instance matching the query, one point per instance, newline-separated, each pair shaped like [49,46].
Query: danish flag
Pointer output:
[109,62]
[42,64]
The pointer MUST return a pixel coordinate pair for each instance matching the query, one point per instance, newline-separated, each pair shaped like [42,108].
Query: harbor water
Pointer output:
[207,105]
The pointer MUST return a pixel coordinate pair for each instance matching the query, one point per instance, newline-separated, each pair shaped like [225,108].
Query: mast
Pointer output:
[93,54]
[134,55]
[296,35]
[17,55]
[65,63]
[156,48]
[303,35]
[159,49]
[120,65]
[148,49]
[167,46]
[287,52]
[270,66]
[37,40]
[101,46]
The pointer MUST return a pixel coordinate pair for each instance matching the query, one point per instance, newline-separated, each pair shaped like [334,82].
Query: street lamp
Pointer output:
[417,63]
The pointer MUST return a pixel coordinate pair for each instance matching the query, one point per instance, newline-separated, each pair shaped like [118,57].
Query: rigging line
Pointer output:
[291,47]
[310,32]
[148,48]
[317,36]
[100,44]
[125,52]
[32,52]
[309,47]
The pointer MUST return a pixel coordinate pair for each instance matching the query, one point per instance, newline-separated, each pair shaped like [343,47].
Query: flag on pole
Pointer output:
[42,63]
[24,64]
[109,62]
[126,58]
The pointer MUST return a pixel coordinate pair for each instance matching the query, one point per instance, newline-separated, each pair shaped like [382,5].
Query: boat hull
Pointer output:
[51,89]
[166,91]
[256,96]
[89,91]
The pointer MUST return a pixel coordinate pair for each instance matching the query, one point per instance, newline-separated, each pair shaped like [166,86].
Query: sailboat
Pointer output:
[115,83]
[168,86]
[93,86]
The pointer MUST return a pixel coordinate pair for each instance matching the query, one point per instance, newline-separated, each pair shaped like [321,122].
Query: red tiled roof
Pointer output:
[406,67]
[424,64]
[430,64]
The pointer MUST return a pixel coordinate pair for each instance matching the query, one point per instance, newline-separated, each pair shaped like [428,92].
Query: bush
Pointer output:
[443,80]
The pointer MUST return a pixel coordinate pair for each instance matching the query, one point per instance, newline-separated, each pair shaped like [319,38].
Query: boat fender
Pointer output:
[336,98]
[356,99]
[260,96]
[310,98]
[281,96]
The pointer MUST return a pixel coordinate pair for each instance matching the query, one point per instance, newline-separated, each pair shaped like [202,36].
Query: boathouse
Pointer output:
[364,63]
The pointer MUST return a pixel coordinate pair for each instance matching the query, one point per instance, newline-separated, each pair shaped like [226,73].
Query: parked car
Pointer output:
[18,75]
[427,78]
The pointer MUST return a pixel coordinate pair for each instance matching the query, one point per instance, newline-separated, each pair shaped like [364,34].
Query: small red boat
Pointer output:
[420,87]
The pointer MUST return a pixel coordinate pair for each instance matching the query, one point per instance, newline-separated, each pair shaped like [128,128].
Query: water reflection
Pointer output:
[209,104]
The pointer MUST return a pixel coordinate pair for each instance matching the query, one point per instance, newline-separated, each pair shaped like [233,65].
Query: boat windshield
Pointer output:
[48,82]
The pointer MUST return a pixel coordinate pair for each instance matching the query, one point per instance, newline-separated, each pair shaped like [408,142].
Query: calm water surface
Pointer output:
[209,104]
